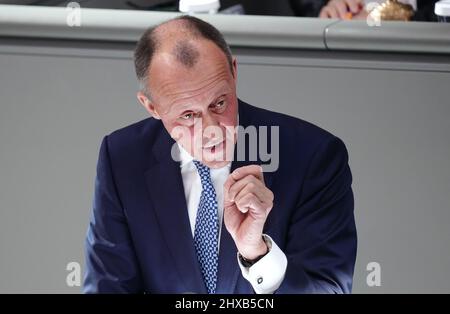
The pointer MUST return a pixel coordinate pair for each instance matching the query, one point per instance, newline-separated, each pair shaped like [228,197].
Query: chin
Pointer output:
[217,164]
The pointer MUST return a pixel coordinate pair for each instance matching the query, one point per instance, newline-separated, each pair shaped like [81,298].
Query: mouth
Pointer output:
[215,147]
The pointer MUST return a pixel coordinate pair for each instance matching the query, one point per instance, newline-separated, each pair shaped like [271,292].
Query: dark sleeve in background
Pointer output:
[425,11]
[261,7]
[307,8]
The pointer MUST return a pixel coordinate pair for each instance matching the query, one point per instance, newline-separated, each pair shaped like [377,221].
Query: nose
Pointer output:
[211,132]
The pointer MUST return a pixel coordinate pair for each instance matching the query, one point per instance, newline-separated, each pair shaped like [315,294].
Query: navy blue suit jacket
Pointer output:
[139,238]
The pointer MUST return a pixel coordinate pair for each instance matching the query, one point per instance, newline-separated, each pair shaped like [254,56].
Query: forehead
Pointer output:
[171,80]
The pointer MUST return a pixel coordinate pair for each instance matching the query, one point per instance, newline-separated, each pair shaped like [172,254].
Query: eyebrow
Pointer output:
[188,110]
[218,98]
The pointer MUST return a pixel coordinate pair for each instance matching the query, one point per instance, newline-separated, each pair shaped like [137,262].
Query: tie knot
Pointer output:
[203,171]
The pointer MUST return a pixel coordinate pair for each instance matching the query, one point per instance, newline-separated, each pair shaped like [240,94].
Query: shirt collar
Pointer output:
[185,157]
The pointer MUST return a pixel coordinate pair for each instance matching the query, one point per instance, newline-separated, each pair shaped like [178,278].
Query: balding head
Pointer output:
[177,37]
[185,53]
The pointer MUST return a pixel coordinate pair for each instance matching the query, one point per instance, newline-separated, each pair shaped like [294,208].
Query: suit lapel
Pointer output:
[166,190]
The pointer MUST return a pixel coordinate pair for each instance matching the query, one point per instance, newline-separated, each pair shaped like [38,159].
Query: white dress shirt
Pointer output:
[266,275]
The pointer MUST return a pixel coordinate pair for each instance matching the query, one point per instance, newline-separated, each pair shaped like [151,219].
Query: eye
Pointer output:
[219,105]
[187,116]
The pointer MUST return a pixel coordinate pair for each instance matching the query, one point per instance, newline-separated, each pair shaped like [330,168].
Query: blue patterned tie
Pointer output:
[207,229]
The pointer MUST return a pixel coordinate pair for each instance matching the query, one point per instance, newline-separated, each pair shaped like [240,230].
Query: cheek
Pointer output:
[229,117]
[178,132]
[170,127]
[184,136]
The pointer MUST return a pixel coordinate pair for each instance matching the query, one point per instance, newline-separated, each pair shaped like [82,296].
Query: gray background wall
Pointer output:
[58,99]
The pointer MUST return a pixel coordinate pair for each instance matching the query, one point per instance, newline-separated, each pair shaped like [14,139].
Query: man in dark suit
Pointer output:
[181,205]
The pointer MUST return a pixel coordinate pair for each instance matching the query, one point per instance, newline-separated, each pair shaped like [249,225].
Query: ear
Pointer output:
[148,105]
[234,66]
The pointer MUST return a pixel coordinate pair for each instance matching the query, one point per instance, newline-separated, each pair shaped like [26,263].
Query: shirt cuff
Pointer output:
[267,274]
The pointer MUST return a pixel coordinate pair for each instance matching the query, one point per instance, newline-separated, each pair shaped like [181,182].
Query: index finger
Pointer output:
[227,185]
[242,172]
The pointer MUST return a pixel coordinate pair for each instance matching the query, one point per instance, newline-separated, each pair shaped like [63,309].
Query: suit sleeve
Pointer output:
[111,265]
[321,244]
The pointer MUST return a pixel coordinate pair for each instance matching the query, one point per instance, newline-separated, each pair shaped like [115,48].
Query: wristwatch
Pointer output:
[250,262]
